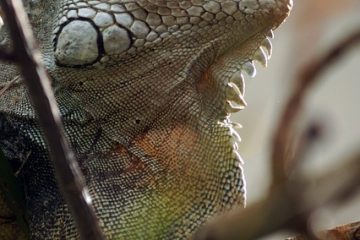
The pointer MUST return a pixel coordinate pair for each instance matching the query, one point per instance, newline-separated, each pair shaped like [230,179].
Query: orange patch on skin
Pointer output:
[176,149]
[205,82]
[136,163]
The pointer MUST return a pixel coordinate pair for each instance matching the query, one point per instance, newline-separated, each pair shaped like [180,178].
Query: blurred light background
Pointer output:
[313,27]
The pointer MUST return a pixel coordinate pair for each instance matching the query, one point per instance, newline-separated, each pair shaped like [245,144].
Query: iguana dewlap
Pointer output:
[145,90]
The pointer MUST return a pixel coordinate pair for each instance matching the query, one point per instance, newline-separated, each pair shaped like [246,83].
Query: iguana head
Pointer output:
[146,89]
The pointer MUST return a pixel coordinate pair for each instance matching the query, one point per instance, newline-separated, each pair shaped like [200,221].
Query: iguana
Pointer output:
[145,90]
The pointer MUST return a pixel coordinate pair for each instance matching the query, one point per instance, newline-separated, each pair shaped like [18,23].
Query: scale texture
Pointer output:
[145,90]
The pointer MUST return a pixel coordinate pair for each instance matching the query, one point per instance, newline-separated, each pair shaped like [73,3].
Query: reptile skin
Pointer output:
[145,90]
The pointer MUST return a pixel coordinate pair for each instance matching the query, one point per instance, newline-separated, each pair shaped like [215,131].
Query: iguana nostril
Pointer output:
[77,44]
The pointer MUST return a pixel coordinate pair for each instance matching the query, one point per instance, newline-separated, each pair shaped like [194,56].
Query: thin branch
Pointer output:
[311,73]
[6,86]
[348,231]
[70,179]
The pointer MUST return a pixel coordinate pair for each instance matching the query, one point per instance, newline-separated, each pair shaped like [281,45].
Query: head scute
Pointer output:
[84,35]
[77,44]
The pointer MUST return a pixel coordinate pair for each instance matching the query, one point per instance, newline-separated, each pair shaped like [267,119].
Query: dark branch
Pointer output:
[70,179]
[284,134]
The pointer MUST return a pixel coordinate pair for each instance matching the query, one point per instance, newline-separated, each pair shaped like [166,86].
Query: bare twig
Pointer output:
[348,231]
[6,86]
[305,81]
[70,179]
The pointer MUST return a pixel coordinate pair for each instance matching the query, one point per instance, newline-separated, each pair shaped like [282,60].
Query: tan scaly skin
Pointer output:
[145,89]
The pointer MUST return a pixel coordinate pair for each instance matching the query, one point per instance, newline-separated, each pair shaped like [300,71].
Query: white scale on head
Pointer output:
[78,44]
[87,34]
